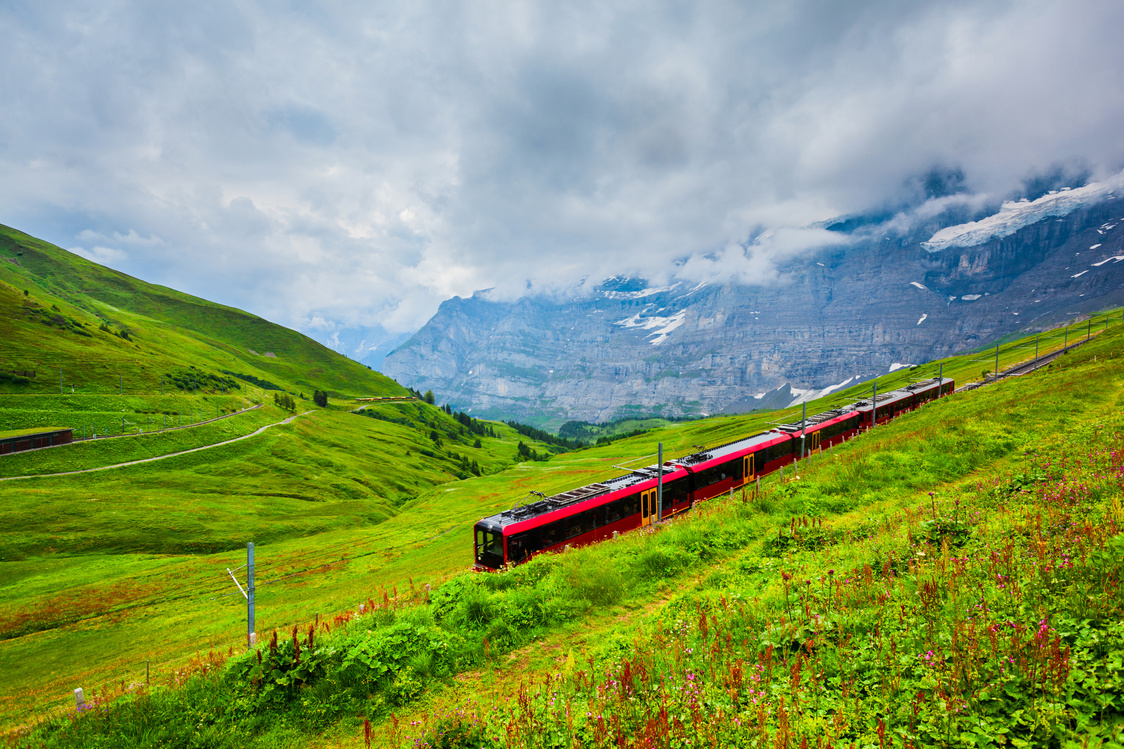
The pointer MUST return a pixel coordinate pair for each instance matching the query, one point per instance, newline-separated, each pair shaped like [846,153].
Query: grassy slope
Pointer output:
[102,569]
[171,331]
[964,438]
[115,567]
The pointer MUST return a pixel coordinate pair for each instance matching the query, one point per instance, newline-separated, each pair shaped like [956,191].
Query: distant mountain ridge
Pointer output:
[886,299]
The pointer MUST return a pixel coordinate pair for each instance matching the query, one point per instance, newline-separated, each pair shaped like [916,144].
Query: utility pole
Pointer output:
[1065,339]
[248,593]
[1036,345]
[250,638]
[1090,331]
[874,401]
[997,361]
[659,484]
[803,426]
[940,380]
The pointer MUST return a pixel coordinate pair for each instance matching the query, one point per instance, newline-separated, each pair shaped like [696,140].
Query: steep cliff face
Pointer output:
[838,314]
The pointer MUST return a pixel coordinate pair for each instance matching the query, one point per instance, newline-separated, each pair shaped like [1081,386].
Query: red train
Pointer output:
[597,511]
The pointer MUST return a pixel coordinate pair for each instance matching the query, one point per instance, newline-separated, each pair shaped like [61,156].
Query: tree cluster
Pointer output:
[542,436]
[285,401]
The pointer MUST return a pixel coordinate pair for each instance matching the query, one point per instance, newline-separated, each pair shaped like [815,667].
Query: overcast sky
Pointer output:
[342,168]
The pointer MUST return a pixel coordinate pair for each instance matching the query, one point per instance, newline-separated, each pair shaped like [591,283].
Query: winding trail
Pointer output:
[159,457]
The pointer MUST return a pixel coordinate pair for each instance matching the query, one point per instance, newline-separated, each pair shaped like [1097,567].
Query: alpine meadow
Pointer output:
[950,578]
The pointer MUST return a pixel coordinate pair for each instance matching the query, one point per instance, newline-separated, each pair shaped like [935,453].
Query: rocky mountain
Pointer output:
[883,298]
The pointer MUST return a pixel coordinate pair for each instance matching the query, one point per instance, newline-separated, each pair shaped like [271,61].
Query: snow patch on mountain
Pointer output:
[914,283]
[804,396]
[895,366]
[922,318]
[1015,215]
[1079,275]
[1117,258]
[662,325]
[638,294]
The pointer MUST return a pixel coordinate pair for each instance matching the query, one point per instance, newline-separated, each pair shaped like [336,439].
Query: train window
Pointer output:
[614,511]
[674,492]
[553,533]
[522,545]
[573,526]
[631,504]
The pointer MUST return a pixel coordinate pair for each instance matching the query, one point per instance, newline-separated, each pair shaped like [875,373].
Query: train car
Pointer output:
[906,399]
[718,470]
[823,429]
[579,516]
[597,511]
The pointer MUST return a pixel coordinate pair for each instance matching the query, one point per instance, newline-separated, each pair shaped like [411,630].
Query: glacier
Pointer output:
[1014,215]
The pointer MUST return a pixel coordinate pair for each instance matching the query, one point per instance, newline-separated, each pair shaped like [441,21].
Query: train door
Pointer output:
[747,468]
[647,507]
[815,441]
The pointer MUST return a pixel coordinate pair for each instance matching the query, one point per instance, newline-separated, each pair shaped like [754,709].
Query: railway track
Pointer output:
[1021,369]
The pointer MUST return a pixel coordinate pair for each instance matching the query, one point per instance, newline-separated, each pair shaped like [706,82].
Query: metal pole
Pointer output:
[997,361]
[803,425]
[250,595]
[659,484]
[874,402]
[1036,345]
[1090,332]
[940,380]
[1065,338]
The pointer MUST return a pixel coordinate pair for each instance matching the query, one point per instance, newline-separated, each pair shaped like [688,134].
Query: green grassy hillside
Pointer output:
[117,580]
[921,536]
[82,309]
[98,569]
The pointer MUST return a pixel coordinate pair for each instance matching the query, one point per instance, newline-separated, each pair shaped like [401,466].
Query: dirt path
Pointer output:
[160,457]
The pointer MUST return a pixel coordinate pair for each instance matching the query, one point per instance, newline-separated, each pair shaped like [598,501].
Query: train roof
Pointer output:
[563,500]
[571,497]
[730,448]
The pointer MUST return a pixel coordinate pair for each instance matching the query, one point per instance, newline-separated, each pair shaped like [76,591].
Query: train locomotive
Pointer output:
[598,511]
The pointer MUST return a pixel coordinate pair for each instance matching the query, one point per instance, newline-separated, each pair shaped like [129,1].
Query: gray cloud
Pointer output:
[344,168]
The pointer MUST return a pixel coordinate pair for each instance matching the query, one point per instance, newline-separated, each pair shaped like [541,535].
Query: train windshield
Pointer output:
[489,548]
